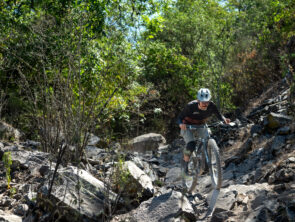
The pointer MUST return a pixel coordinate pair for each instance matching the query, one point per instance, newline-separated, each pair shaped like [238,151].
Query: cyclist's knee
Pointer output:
[191,146]
[186,157]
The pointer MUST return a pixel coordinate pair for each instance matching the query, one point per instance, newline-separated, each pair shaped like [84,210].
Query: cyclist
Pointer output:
[196,112]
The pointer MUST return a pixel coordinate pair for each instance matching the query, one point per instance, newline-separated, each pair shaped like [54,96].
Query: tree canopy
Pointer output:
[130,66]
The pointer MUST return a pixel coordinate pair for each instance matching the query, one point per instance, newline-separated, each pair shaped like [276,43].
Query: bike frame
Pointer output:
[204,141]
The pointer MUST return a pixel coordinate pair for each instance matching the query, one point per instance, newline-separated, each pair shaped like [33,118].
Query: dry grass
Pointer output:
[265,95]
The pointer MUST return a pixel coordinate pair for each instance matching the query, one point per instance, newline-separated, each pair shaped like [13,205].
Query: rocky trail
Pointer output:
[258,158]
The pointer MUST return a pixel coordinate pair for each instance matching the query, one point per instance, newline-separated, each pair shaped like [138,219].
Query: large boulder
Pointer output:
[94,153]
[165,208]
[7,217]
[146,167]
[7,132]
[144,182]
[147,142]
[79,195]
[32,160]
[93,140]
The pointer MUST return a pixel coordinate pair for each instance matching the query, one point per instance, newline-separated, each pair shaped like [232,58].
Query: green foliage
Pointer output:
[12,191]
[154,26]
[189,49]
[7,164]
[64,46]
[108,58]
[262,30]
[167,70]
[159,183]
[121,177]
[124,184]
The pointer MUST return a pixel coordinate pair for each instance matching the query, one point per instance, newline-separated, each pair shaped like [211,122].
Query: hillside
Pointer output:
[258,176]
[90,92]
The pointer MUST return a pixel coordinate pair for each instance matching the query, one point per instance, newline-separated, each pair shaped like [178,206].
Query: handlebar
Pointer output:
[203,126]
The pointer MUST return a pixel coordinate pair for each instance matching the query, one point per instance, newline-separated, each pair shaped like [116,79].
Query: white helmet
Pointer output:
[204,95]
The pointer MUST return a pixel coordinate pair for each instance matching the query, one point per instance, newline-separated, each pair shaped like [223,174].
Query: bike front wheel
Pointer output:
[215,164]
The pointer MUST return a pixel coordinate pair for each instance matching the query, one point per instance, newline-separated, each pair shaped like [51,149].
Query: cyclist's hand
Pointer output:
[227,121]
[182,126]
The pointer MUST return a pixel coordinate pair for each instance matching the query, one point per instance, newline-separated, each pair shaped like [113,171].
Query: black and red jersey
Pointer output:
[191,114]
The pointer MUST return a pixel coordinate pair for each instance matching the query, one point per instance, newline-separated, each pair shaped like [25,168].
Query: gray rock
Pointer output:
[226,199]
[269,101]
[284,175]
[283,112]
[44,170]
[173,175]
[228,174]
[31,144]
[256,111]
[6,201]
[260,214]
[165,208]
[27,159]
[161,171]
[291,159]
[138,161]
[290,211]
[30,197]
[163,148]
[246,147]
[149,170]
[7,132]
[92,193]
[141,177]
[256,129]
[93,140]
[221,215]
[147,142]
[8,217]
[271,179]
[93,152]
[204,184]
[154,161]
[245,168]
[21,209]
[285,130]
[258,175]
[258,201]
[278,143]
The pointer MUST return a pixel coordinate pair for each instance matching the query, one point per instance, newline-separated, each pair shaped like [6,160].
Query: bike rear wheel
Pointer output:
[215,164]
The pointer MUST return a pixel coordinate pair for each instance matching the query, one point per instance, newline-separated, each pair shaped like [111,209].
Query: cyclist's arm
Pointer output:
[185,112]
[219,116]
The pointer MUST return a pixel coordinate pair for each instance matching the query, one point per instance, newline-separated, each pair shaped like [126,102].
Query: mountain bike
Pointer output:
[206,152]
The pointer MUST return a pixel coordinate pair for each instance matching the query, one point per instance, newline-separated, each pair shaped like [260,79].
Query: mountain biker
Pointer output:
[196,112]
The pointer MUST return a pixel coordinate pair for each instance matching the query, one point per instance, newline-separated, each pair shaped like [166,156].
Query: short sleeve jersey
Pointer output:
[193,115]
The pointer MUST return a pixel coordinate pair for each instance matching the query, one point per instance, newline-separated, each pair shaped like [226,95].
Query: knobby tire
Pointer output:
[199,166]
[215,166]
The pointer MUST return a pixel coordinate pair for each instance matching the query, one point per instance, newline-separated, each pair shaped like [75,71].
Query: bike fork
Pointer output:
[205,150]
